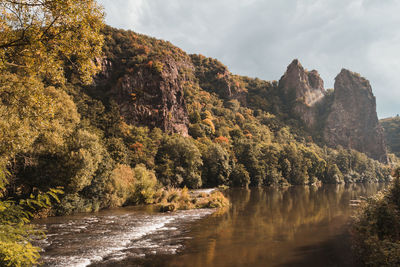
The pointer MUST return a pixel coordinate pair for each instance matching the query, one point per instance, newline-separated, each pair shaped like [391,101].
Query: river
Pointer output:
[294,226]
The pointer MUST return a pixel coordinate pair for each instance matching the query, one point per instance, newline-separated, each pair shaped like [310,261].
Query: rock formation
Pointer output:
[352,121]
[303,90]
[148,95]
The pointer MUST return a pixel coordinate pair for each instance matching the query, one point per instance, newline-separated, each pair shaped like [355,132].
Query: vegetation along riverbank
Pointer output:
[376,228]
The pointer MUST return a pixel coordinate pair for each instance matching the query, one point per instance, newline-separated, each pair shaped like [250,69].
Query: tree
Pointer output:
[249,154]
[239,176]
[332,174]
[41,43]
[15,232]
[216,168]
[38,37]
[178,162]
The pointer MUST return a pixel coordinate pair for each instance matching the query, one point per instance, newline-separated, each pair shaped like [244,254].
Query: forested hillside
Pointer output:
[392,134]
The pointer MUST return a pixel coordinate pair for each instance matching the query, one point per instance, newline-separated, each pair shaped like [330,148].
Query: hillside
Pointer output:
[155,112]
[392,134]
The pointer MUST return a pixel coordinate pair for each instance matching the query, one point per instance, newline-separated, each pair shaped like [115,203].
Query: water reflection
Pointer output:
[295,226]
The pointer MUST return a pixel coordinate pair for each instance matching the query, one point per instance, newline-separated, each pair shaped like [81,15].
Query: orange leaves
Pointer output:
[221,140]
[220,75]
[138,147]
[248,134]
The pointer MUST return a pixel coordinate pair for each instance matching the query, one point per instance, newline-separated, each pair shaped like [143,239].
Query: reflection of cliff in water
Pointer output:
[295,226]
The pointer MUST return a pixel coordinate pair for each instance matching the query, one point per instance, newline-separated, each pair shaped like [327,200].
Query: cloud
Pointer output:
[259,38]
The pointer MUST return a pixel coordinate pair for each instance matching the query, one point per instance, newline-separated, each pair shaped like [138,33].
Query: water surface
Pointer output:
[295,226]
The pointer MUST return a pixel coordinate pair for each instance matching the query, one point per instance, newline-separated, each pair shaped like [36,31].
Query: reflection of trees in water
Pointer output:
[262,221]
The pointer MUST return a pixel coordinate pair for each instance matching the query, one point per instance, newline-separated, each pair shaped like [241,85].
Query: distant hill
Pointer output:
[392,133]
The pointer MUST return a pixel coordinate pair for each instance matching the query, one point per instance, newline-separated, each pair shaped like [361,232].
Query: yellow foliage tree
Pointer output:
[40,43]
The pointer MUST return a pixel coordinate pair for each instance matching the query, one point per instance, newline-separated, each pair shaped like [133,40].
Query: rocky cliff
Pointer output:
[352,121]
[146,79]
[302,90]
[153,98]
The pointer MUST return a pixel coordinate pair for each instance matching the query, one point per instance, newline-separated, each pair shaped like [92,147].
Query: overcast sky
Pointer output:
[259,38]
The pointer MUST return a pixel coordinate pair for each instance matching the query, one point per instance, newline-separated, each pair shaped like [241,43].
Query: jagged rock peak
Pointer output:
[307,86]
[348,80]
[353,121]
[302,89]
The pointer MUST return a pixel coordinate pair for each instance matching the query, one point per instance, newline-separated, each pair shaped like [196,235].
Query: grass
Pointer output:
[172,199]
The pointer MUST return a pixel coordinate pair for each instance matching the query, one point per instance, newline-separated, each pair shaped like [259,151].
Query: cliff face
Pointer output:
[148,96]
[352,121]
[146,79]
[303,90]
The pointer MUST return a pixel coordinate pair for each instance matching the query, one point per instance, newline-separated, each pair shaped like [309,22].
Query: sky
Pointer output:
[259,38]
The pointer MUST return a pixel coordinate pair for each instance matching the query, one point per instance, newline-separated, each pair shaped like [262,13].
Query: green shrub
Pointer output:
[145,185]
[121,187]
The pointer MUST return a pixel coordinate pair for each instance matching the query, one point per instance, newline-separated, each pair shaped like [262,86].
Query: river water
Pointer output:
[294,226]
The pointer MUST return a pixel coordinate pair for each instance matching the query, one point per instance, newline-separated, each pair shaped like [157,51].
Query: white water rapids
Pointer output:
[113,235]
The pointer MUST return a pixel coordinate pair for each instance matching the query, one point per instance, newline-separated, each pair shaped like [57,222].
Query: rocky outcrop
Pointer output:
[352,121]
[150,94]
[302,90]
[349,120]
[154,98]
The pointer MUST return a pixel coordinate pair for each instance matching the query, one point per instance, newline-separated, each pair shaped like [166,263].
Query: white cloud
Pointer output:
[259,38]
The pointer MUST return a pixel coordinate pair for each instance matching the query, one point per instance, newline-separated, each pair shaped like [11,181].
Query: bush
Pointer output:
[173,199]
[122,185]
[145,185]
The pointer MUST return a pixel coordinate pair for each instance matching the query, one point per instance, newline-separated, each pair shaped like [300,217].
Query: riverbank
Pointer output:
[376,228]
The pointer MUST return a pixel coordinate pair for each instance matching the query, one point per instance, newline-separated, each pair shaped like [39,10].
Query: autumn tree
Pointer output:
[178,162]
[41,43]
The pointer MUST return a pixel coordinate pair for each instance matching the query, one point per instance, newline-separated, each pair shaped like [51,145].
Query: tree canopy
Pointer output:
[42,42]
